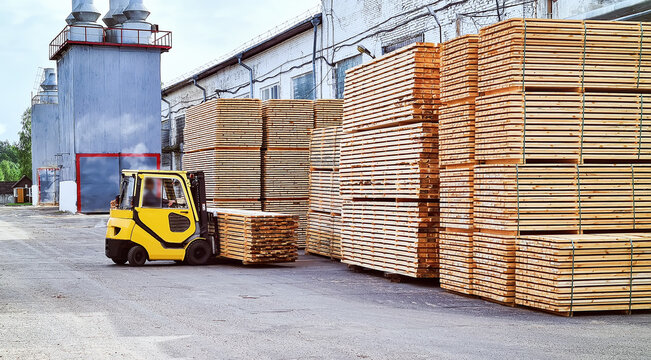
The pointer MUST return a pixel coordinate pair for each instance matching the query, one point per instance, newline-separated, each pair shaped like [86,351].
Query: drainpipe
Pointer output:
[169,109]
[315,23]
[239,61]
[194,81]
[438,23]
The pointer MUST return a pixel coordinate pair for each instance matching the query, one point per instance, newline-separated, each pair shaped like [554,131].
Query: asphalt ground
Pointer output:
[61,298]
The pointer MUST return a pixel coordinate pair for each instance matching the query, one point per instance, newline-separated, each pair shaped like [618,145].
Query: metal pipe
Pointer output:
[169,109]
[315,23]
[550,9]
[438,23]
[239,61]
[194,82]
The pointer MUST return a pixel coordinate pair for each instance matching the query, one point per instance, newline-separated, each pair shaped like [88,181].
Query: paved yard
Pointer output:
[61,298]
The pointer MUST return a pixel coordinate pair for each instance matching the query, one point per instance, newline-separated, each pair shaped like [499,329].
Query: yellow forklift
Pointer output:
[161,215]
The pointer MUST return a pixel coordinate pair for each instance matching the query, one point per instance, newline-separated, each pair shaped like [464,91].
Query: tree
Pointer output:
[25,144]
[9,171]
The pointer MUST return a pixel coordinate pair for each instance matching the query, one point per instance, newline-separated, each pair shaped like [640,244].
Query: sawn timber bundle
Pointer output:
[256,237]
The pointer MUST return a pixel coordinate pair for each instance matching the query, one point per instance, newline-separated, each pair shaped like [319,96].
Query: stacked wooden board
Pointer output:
[285,158]
[328,113]
[591,272]
[223,139]
[389,163]
[561,129]
[459,76]
[256,237]
[324,217]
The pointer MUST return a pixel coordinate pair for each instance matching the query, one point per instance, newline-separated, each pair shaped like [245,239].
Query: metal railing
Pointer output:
[45,99]
[96,35]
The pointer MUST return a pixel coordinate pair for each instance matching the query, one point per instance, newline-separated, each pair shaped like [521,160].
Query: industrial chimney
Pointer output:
[71,19]
[48,93]
[137,30]
[108,19]
[85,27]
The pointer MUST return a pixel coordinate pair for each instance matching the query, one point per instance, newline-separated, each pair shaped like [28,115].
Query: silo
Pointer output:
[109,109]
[45,141]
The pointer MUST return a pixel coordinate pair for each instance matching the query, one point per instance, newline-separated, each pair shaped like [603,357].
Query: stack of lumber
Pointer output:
[389,163]
[256,237]
[285,157]
[328,113]
[591,272]
[223,139]
[534,126]
[459,89]
[569,54]
[324,217]
[394,237]
[297,207]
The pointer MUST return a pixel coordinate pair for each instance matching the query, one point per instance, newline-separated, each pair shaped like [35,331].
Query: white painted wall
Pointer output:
[68,196]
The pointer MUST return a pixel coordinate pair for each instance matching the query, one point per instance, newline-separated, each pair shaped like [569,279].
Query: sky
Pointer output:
[203,30]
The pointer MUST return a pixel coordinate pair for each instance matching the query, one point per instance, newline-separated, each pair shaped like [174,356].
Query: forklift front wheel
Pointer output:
[137,256]
[198,252]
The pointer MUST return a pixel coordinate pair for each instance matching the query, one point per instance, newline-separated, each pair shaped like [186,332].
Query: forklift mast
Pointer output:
[198,189]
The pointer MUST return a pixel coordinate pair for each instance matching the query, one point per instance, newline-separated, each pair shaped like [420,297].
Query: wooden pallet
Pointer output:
[230,174]
[521,127]
[291,206]
[223,123]
[457,198]
[562,197]
[287,123]
[456,260]
[325,195]
[325,148]
[399,88]
[256,237]
[593,272]
[324,234]
[553,54]
[393,237]
[328,113]
[459,69]
[397,162]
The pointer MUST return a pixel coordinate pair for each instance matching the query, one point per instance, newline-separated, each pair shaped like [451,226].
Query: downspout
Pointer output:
[169,118]
[239,61]
[194,81]
[438,23]
[315,22]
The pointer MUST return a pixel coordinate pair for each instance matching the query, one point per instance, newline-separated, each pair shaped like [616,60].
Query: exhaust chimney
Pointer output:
[86,12]
[71,19]
[48,94]
[118,15]
[108,19]
[136,29]
[136,11]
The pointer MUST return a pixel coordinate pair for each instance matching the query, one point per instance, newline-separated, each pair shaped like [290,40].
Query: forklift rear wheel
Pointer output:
[198,252]
[119,261]
[137,256]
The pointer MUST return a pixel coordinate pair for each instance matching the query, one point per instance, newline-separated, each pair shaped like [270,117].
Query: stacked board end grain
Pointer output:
[223,139]
[459,76]
[324,217]
[389,171]
[560,128]
[566,274]
[328,113]
[285,158]
[256,237]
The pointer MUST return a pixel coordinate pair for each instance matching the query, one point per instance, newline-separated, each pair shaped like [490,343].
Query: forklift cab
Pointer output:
[159,215]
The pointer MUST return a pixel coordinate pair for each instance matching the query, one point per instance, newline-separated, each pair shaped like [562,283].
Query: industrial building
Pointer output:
[308,58]
[103,116]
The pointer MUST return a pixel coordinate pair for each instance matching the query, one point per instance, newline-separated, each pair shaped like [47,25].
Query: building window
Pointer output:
[340,73]
[303,87]
[402,43]
[270,92]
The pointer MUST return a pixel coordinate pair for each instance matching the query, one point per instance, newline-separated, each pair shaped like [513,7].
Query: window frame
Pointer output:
[269,89]
[162,178]
[307,75]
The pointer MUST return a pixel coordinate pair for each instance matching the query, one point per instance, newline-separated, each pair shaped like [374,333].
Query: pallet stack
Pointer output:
[561,131]
[328,113]
[324,217]
[285,158]
[389,171]
[256,237]
[459,76]
[223,138]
